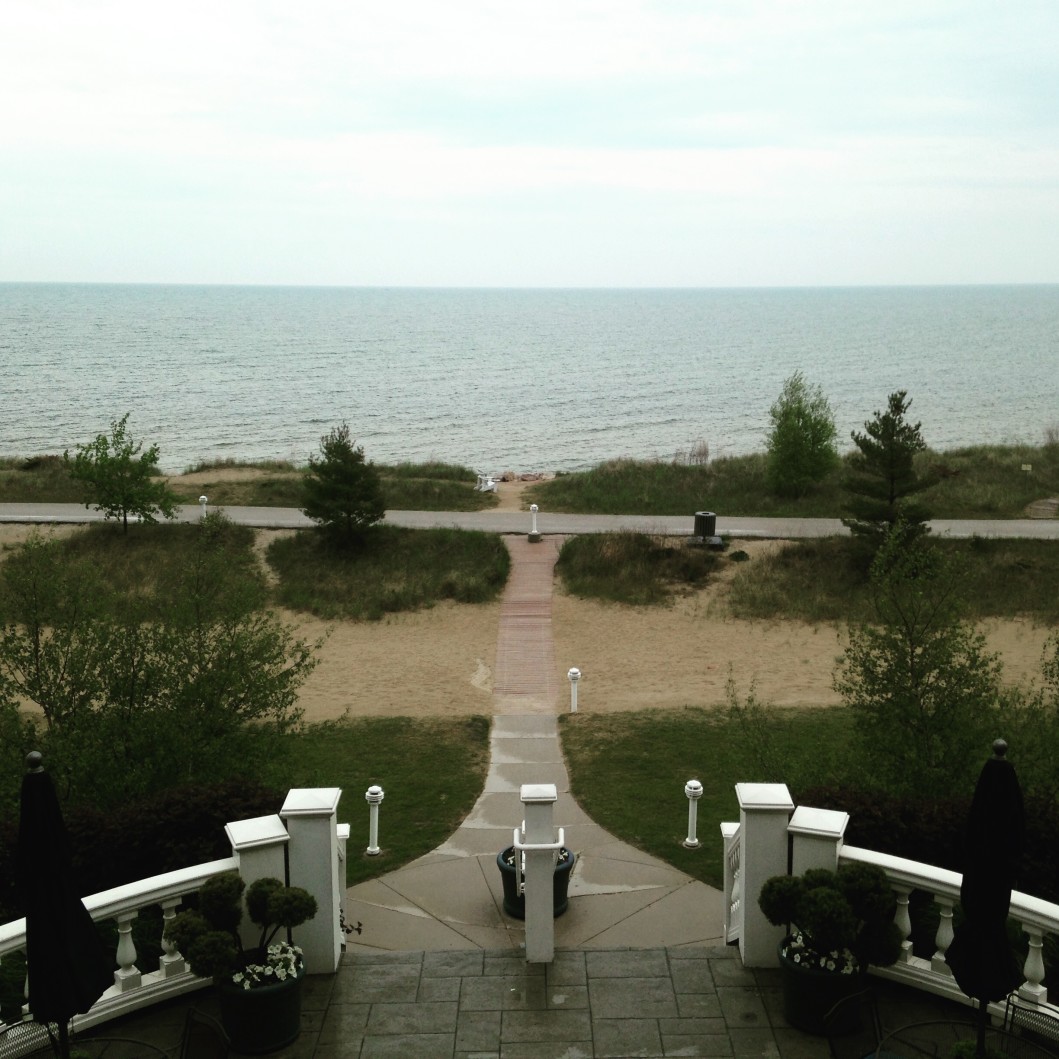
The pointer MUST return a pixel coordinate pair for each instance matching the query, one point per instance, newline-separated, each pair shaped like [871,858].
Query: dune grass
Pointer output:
[38,480]
[979,482]
[826,580]
[631,567]
[395,569]
[431,486]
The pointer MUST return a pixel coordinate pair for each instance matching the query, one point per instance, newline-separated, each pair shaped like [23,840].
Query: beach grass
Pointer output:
[395,569]
[628,770]
[136,566]
[632,568]
[356,752]
[826,580]
[978,482]
[38,480]
[430,486]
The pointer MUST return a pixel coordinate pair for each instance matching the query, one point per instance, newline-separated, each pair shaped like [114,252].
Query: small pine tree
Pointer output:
[120,478]
[801,443]
[882,479]
[343,492]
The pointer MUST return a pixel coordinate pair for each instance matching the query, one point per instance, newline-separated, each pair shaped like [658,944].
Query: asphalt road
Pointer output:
[548,523]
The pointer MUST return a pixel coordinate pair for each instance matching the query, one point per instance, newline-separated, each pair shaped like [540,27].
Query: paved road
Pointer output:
[519,522]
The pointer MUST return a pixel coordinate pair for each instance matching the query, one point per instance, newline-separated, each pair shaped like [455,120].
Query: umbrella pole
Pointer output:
[64,1039]
[983,1015]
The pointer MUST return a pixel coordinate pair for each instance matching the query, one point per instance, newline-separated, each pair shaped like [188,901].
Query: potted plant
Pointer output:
[259,988]
[839,922]
[515,900]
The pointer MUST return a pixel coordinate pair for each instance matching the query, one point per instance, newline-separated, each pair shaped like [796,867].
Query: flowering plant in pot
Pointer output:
[838,922]
[259,987]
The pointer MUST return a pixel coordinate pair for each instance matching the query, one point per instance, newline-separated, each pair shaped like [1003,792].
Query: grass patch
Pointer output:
[354,753]
[988,481]
[978,482]
[396,569]
[38,480]
[614,759]
[444,472]
[231,464]
[135,566]
[631,567]
[826,580]
[431,486]
[424,493]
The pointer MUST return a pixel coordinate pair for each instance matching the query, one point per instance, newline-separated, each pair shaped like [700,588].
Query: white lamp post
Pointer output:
[534,536]
[693,789]
[373,797]
[202,504]
[574,675]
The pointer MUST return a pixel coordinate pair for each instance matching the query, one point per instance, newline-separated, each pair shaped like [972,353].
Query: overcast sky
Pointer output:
[556,143]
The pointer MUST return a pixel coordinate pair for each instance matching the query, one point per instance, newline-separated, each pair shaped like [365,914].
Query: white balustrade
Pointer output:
[733,883]
[258,850]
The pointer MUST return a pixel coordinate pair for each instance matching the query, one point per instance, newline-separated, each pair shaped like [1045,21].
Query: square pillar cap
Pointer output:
[538,792]
[258,831]
[311,801]
[818,823]
[764,797]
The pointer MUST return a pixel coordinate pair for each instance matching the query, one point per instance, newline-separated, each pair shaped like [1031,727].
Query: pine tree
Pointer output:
[343,491]
[882,480]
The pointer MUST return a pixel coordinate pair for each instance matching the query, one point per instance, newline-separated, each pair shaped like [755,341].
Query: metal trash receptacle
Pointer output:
[705,524]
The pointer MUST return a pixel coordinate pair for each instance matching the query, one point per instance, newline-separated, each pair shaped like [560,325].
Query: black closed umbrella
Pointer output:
[67,963]
[980,955]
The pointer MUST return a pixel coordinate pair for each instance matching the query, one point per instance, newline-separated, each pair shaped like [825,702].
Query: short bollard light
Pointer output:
[573,675]
[373,797]
[202,504]
[693,789]
[534,535]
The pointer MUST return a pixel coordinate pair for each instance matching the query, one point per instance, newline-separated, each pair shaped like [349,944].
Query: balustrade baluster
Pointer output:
[904,922]
[127,976]
[1033,988]
[943,937]
[171,961]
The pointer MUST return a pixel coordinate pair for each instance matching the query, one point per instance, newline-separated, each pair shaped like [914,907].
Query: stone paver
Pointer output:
[615,1003]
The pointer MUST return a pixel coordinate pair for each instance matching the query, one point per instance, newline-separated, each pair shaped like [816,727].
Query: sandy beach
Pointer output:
[439,662]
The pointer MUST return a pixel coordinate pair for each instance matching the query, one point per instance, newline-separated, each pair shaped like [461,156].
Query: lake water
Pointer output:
[522,380]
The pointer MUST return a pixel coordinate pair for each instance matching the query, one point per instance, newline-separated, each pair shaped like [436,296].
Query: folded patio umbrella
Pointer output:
[980,954]
[67,963]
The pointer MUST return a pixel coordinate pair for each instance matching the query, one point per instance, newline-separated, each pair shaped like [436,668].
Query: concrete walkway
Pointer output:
[452,897]
[550,523]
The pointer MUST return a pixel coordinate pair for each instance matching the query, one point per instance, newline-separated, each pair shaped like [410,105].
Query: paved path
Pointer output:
[452,897]
[548,523]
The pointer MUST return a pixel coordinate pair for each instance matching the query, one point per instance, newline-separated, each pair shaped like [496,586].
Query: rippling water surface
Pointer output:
[511,379]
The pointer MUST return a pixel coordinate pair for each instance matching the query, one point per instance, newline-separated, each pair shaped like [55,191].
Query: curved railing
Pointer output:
[133,987]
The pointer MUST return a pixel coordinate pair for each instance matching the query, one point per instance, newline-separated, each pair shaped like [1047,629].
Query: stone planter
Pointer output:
[263,1019]
[514,902]
[810,993]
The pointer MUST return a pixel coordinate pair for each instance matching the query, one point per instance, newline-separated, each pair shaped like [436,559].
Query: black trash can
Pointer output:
[705,524]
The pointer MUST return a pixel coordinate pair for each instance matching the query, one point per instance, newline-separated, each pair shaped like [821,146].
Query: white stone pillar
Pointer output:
[259,847]
[764,809]
[539,801]
[816,838]
[311,816]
